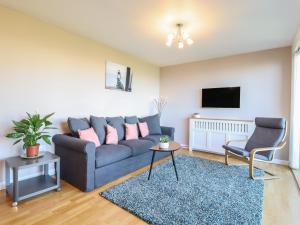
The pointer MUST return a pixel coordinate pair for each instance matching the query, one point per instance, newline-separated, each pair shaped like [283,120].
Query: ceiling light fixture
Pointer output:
[180,37]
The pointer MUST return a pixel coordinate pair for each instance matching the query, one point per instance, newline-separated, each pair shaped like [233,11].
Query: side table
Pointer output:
[174,146]
[20,190]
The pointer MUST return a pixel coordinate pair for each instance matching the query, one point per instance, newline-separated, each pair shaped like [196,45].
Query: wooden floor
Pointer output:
[71,206]
[297,177]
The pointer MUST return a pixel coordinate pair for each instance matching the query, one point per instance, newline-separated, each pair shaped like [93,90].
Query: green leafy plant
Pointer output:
[32,129]
[164,139]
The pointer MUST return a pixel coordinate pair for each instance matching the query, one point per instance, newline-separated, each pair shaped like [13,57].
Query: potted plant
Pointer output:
[164,141]
[30,130]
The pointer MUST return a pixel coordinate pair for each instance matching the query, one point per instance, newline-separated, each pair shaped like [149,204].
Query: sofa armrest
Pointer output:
[73,143]
[77,161]
[168,131]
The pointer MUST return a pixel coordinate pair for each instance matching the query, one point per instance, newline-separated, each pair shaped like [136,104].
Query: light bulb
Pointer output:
[169,43]
[189,41]
[170,37]
[185,36]
[180,44]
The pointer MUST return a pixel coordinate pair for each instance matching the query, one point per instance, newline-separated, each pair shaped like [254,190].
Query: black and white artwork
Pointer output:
[118,77]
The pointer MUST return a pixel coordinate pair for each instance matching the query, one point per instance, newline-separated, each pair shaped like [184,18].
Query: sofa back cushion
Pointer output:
[99,125]
[131,132]
[131,119]
[76,124]
[111,135]
[89,135]
[118,123]
[153,124]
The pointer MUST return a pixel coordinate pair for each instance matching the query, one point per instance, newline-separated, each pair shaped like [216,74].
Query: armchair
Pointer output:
[269,136]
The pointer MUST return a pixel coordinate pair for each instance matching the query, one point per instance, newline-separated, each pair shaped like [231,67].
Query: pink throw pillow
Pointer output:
[144,129]
[131,132]
[89,135]
[111,135]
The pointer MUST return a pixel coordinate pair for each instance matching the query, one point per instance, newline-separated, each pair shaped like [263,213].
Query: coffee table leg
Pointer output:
[153,155]
[172,154]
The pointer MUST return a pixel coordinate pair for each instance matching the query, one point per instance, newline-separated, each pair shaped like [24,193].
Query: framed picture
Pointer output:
[118,77]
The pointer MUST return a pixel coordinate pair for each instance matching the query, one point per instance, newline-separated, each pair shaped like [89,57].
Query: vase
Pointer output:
[32,151]
[164,145]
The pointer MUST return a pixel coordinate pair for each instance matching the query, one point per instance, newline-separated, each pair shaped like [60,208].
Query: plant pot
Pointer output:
[164,145]
[32,151]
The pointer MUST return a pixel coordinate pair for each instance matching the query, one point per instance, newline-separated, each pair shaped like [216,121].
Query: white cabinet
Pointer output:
[210,134]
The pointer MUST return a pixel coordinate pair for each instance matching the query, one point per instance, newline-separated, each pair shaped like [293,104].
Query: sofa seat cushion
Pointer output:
[154,138]
[138,147]
[107,154]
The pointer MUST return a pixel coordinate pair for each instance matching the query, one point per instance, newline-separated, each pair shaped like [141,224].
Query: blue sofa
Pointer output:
[87,167]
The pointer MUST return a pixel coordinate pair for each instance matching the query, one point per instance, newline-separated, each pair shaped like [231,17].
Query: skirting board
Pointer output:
[296,174]
[51,172]
[274,161]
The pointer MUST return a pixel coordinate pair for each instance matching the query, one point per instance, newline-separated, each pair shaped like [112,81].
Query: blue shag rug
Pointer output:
[208,192]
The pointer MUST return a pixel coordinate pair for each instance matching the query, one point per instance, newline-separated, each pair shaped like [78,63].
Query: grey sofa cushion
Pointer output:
[76,124]
[137,146]
[118,123]
[131,119]
[99,125]
[153,124]
[243,152]
[107,154]
[154,138]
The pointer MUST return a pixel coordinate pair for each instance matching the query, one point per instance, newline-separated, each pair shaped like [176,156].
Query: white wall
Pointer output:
[45,69]
[295,109]
[264,78]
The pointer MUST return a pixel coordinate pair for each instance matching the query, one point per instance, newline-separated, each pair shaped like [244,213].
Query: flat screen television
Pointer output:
[227,97]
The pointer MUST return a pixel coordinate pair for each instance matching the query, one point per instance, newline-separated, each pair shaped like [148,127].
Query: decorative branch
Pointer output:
[160,103]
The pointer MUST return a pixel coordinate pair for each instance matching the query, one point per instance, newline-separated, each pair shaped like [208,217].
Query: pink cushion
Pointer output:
[89,135]
[144,129]
[111,135]
[131,131]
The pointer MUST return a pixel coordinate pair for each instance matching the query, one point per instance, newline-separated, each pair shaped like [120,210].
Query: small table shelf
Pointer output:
[20,190]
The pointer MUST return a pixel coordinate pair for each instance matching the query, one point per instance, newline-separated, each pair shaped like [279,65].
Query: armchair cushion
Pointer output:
[107,154]
[118,123]
[76,124]
[269,132]
[243,152]
[99,124]
[237,150]
[274,123]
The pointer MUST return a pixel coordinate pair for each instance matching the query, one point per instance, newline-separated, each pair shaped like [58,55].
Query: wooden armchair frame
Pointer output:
[250,160]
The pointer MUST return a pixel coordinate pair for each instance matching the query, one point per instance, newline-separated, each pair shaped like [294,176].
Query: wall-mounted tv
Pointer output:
[227,97]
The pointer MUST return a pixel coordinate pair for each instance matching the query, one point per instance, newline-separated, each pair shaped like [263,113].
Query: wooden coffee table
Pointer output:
[174,146]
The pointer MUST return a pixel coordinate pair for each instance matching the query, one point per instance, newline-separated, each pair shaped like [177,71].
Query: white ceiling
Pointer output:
[139,27]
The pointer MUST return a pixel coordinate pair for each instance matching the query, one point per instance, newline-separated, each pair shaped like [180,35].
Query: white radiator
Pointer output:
[210,134]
